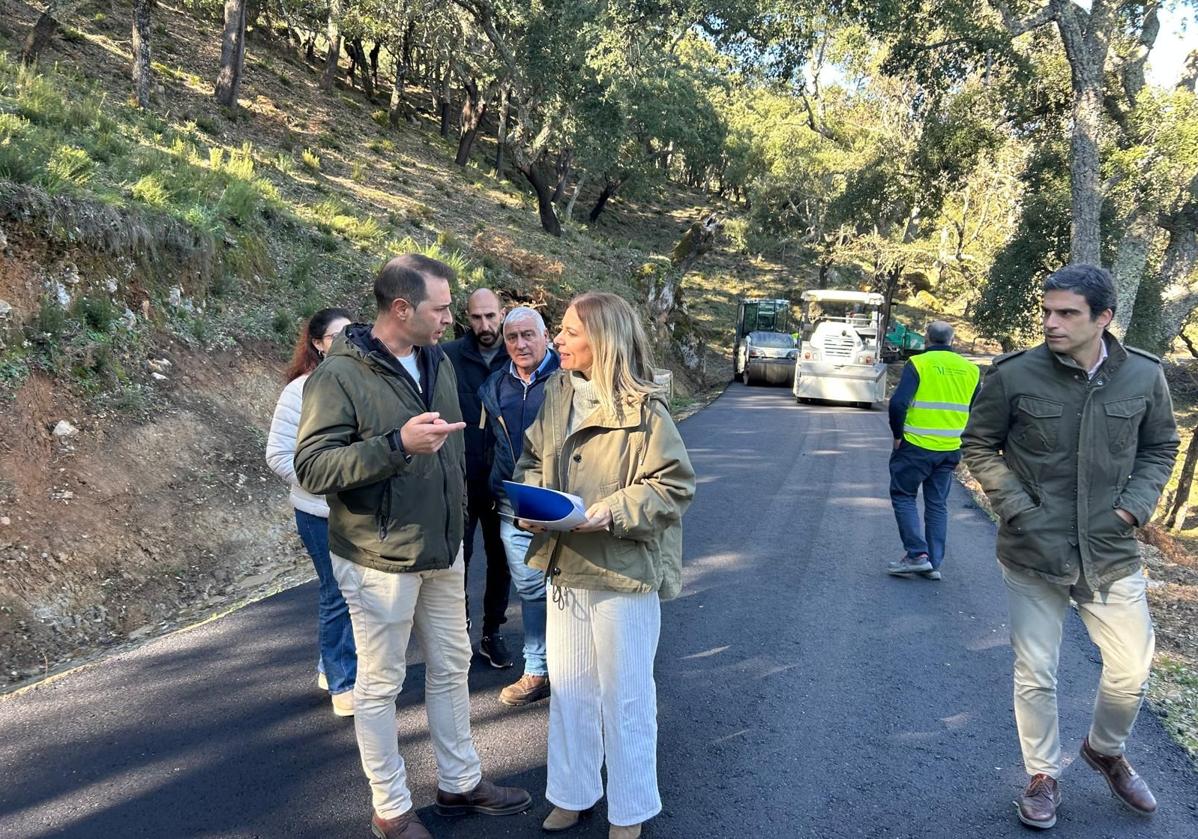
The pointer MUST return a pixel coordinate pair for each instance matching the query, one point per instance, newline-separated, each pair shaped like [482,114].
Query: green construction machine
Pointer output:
[901,343]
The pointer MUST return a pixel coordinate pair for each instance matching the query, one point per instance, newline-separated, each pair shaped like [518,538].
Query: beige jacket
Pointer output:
[638,465]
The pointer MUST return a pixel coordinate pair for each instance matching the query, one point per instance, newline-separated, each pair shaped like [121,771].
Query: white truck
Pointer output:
[839,355]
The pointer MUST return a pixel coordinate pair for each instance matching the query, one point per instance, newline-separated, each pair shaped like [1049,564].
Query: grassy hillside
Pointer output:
[154,266]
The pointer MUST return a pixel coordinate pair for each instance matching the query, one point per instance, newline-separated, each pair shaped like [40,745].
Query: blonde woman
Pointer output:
[605,434]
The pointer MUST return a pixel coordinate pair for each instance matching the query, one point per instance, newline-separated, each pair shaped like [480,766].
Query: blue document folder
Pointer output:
[547,508]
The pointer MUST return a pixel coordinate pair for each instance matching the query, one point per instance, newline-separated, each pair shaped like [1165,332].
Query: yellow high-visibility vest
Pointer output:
[940,410]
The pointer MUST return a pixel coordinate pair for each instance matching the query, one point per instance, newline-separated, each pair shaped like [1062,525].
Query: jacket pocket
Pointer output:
[1123,419]
[1038,423]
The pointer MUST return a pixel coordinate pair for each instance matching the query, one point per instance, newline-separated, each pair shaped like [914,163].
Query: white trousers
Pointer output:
[601,647]
[1119,624]
[386,609]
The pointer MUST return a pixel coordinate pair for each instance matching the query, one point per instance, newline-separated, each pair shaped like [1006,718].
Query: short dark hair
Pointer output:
[405,278]
[1091,282]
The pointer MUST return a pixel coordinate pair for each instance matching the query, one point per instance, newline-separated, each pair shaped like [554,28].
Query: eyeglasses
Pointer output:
[330,335]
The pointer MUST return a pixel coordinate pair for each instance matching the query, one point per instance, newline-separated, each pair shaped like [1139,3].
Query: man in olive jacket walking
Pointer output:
[1073,441]
[380,436]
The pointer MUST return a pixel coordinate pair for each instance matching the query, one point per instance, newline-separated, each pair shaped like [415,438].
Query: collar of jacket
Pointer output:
[1116,355]
[601,418]
[357,341]
[546,368]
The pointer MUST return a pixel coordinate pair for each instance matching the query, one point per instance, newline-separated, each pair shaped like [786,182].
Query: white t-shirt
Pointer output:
[409,363]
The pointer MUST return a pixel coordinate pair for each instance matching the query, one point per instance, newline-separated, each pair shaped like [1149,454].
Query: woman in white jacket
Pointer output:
[338,656]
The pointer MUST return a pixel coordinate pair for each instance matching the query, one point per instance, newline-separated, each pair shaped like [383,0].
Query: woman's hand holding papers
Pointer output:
[598,518]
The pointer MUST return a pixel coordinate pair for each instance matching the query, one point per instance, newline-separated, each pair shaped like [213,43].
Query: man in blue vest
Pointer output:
[511,399]
[928,412]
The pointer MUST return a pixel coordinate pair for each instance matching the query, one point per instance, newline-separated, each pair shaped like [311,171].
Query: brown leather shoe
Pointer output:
[1039,802]
[404,826]
[486,798]
[528,690]
[1127,786]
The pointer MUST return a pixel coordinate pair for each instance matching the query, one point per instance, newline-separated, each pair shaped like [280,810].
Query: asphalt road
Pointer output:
[803,692]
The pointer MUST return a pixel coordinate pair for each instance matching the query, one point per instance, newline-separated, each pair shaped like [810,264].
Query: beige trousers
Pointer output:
[387,609]
[1119,625]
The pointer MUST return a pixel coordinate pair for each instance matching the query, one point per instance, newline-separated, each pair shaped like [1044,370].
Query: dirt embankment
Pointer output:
[139,520]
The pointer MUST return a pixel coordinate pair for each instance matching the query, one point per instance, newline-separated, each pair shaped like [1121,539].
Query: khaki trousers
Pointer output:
[386,609]
[1117,620]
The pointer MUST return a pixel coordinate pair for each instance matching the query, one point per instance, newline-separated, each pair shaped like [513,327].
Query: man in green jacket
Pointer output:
[379,436]
[1073,441]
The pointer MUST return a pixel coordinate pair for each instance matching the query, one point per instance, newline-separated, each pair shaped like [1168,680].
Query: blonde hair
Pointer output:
[622,365]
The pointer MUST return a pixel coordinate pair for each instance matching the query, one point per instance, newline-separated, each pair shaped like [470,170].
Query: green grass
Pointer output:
[1173,691]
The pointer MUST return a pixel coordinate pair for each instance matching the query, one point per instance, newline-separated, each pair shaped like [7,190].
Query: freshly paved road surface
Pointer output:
[803,692]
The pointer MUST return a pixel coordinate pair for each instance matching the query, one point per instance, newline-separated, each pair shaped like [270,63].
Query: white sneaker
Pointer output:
[343,703]
[321,681]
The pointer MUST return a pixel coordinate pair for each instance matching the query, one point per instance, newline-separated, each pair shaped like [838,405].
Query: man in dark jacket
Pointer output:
[1073,441]
[511,400]
[475,356]
[928,411]
[379,436]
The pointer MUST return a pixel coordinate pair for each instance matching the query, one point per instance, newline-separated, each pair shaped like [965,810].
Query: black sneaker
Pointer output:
[492,648]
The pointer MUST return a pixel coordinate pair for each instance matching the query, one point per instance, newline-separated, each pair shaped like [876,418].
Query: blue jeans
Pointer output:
[530,585]
[335,634]
[910,468]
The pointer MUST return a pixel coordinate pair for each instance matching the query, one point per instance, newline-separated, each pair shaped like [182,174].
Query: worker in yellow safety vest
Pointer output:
[928,412]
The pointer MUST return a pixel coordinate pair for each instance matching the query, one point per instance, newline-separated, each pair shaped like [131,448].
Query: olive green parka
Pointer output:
[1057,452]
[384,512]
[637,464]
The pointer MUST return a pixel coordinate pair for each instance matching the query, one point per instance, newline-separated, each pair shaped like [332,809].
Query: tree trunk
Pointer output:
[445,101]
[395,109]
[1178,294]
[374,63]
[574,197]
[609,189]
[142,74]
[39,37]
[334,35]
[1175,518]
[232,54]
[697,241]
[474,108]
[360,61]
[563,168]
[540,184]
[501,137]
[1128,268]
[1085,40]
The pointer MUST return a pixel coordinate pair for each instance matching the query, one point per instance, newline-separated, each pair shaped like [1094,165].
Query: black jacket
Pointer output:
[472,370]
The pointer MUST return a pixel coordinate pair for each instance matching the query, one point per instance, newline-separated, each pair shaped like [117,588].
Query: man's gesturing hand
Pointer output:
[425,433]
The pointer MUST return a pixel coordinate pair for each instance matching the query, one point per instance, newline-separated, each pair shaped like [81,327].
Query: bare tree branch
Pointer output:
[1017,26]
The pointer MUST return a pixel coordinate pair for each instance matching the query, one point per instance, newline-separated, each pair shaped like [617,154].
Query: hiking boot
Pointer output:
[560,819]
[1039,802]
[528,690]
[343,703]
[492,648]
[486,798]
[404,826]
[632,831]
[934,574]
[910,565]
[1126,785]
